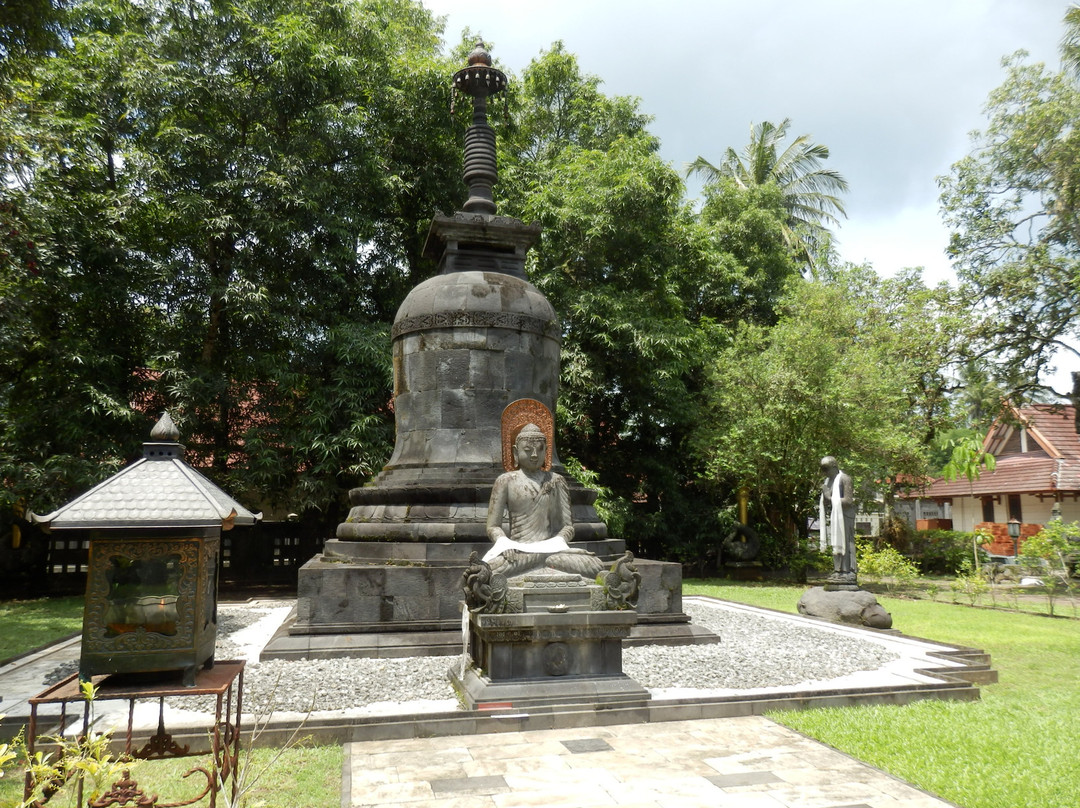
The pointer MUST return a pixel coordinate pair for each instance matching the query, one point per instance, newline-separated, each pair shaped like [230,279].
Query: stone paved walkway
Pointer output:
[747,762]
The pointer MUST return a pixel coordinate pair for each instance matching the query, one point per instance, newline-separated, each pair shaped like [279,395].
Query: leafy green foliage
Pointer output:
[809,192]
[216,208]
[1013,207]
[631,272]
[885,565]
[943,552]
[967,458]
[969,583]
[1052,554]
[840,373]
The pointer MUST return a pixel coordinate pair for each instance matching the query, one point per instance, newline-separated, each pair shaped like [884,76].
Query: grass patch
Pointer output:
[781,597]
[1014,748]
[301,777]
[31,624]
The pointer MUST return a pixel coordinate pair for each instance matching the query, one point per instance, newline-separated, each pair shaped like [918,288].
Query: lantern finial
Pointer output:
[165,430]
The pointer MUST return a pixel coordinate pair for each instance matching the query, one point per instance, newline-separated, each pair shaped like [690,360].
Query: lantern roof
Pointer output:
[159,490]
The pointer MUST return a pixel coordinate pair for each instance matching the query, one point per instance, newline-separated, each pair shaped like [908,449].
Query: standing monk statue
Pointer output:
[538,503]
[837,521]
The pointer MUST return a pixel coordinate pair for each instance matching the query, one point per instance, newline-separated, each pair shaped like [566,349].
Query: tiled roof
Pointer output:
[160,490]
[1056,428]
[1015,474]
[1051,464]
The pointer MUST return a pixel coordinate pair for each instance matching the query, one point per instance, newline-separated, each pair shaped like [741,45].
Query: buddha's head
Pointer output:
[530,448]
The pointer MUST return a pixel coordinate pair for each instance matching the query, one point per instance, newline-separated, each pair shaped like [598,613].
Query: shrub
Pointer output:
[970,583]
[810,557]
[1050,555]
[896,532]
[885,565]
[944,552]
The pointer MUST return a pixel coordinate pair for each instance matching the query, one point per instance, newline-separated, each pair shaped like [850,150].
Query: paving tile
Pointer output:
[623,793]
[545,799]
[827,795]
[743,779]
[748,799]
[524,750]
[434,770]
[570,781]
[372,777]
[553,765]
[485,785]
[582,745]
[391,793]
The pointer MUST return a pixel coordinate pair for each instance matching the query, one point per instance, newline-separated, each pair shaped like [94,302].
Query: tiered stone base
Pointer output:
[359,587]
[558,651]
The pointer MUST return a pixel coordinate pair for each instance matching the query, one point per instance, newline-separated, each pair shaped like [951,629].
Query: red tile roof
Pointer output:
[1052,462]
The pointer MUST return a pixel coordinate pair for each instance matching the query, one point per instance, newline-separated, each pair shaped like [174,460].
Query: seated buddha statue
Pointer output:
[538,504]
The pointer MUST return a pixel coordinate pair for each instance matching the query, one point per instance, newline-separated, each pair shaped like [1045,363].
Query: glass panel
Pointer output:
[142,594]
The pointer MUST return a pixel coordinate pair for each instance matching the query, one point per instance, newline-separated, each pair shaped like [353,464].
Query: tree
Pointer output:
[751,262]
[841,373]
[1014,206]
[30,28]
[810,192]
[1070,42]
[216,208]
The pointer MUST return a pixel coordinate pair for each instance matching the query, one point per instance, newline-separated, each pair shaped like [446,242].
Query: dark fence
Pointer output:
[265,555]
[269,553]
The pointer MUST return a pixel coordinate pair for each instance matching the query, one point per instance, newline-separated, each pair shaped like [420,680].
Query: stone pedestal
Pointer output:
[359,587]
[558,651]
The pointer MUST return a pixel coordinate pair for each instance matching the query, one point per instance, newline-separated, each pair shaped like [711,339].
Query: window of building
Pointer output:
[1014,508]
[988,509]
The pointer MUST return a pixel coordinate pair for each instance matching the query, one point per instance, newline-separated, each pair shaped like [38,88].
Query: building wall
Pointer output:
[967,511]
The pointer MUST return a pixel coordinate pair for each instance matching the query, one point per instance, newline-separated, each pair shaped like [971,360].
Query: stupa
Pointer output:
[466,343]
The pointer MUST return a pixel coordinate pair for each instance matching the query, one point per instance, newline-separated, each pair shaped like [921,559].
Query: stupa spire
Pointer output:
[479,80]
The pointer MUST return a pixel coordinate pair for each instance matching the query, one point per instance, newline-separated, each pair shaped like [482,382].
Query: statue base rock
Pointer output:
[857,608]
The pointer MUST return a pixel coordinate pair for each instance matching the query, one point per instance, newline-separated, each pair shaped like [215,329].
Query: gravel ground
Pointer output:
[755,652]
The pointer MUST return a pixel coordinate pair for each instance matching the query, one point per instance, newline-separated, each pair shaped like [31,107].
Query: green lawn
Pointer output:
[1016,747]
[31,624]
[299,777]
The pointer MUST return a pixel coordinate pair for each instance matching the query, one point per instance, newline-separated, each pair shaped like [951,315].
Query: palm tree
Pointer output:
[810,192]
[1070,42]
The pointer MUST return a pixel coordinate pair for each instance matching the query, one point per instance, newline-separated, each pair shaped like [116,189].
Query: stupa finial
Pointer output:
[479,80]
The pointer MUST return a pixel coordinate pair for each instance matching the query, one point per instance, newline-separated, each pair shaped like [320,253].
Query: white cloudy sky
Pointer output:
[892,87]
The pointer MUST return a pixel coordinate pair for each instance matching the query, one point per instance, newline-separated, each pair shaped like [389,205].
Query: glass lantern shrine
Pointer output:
[155,535]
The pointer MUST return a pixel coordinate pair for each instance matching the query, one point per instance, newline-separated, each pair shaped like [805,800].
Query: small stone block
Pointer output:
[490,784]
[581,745]
[743,779]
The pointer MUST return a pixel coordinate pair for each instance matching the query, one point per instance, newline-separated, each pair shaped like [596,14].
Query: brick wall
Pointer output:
[1002,545]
